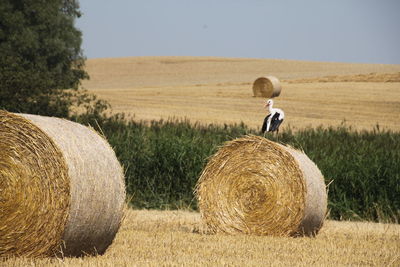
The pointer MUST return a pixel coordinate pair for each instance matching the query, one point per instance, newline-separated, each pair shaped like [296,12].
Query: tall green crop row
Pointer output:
[163,160]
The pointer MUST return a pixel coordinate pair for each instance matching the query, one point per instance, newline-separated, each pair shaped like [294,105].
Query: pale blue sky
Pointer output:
[363,31]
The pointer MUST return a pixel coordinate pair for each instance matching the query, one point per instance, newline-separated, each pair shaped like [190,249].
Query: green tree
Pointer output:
[41,61]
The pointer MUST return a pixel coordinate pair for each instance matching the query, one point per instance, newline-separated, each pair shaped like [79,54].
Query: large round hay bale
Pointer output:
[61,188]
[268,87]
[256,186]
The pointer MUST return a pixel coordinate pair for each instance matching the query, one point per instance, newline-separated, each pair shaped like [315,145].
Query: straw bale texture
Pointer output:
[255,186]
[268,87]
[61,188]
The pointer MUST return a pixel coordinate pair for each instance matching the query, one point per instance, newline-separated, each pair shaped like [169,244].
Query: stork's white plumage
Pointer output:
[272,110]
[274,119]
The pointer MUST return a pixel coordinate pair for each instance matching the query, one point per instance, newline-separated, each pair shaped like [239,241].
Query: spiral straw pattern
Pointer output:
[255,186]
[61,188]
[34,190]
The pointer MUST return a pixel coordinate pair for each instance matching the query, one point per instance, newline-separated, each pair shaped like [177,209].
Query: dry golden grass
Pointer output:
[370,77]
[136,72]
[176,238]
[219,90]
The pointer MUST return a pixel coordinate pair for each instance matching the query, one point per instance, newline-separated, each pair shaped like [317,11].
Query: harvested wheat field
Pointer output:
[219,90]
[177,238]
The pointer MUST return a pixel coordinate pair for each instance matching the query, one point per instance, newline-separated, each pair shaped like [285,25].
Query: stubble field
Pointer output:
[177,238]
[219,90]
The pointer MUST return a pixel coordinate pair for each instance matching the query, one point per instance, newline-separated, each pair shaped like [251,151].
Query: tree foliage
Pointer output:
[41,61]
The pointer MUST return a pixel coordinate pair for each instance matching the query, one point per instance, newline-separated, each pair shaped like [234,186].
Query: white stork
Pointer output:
[274,119]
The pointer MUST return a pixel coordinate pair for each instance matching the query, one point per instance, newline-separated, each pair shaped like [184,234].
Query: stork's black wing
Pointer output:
[264,126]
[275,123]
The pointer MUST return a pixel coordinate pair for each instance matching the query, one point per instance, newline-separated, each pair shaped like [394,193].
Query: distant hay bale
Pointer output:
[61,188]
[267,87]
[255,186]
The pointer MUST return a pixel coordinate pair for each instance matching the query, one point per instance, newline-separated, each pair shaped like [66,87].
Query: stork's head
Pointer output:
[269,103]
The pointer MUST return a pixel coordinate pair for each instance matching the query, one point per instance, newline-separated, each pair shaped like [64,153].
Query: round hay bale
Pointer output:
[268,87]
[62,188]
[255,186]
